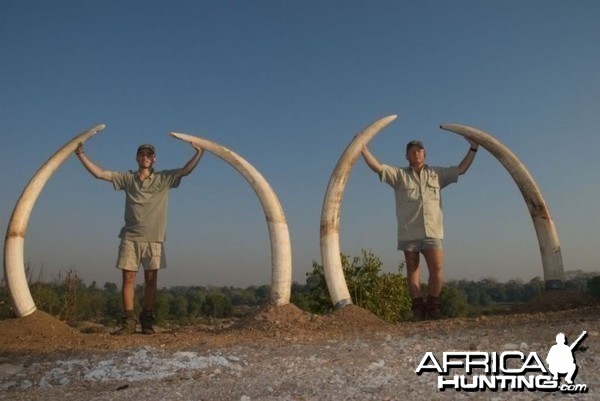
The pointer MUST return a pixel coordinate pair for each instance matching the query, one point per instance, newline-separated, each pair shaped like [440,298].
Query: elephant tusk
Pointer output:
[14,243]
[330,215]
[544,226]
[281,253]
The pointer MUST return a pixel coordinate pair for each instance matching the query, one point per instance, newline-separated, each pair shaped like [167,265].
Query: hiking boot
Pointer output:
[418,310]
[128,324]
[146,320]
[433,308]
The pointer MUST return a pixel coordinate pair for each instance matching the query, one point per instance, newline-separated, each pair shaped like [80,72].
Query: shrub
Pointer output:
[386,295]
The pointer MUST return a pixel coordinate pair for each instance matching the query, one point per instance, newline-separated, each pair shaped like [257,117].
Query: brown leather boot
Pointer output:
[418,309]
[146,320]
[128,324]
[434,308]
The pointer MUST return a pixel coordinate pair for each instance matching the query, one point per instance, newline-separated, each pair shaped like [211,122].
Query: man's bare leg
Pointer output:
[412,273]
[150,280]
[128,321]
[435,261]
[128,289]
[413,278]
[147,315]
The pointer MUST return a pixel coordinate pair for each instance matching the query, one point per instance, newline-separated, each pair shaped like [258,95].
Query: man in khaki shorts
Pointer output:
[420,220]
[143,236]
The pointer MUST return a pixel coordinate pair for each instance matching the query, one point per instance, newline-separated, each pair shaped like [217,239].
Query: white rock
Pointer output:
[26,384]
[8,369]
[184,355]
[8,385]
[378,364]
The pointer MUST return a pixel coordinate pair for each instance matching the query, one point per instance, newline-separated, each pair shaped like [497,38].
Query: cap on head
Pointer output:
[414,143]
[146,146]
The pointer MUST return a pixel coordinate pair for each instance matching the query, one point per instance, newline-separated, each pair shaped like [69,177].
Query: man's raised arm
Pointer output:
[371,161]
[91,167]
[191,165]
[468,159]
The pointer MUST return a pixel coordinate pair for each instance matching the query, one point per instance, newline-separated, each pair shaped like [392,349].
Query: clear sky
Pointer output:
[286,84]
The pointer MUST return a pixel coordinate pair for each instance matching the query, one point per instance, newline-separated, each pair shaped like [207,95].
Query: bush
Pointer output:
[386,295]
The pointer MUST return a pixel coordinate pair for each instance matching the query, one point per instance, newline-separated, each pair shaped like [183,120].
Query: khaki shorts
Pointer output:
[418,245]
[151,255]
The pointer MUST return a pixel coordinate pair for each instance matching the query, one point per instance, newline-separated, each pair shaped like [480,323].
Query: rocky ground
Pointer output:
[285,354]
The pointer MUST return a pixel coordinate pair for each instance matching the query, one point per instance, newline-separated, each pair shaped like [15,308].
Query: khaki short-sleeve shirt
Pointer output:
[418,199]
[145,203]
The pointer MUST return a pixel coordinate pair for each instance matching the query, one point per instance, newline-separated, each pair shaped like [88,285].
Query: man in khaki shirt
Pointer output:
[417,190]
[143,236]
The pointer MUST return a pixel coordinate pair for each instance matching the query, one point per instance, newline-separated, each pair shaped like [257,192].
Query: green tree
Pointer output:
[195,298]
[217,305]
[5,308]
[534,287]
[262,294]
[178,307]
[454,303]
[513,290]
[578,279]
[111,288]
[593,287]
[162,305]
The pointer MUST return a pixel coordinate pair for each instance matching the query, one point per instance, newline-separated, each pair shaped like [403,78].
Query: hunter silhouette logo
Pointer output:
[560,359]
[507,370]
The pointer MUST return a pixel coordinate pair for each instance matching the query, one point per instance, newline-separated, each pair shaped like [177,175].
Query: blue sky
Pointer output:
[286,84]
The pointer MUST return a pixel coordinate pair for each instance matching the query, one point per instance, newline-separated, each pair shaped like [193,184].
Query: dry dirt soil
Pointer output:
[283,353]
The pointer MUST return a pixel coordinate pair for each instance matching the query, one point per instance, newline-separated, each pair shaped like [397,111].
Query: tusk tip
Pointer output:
[450,127]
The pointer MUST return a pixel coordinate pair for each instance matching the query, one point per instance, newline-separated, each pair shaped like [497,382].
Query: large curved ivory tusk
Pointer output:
[542,221]
[330,215]
[14,268]
[281,253]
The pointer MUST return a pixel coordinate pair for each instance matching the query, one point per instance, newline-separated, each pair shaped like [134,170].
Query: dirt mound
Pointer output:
[278,320]
[354,317]
[288,322]
[34,330]
[555,300]
[38,324]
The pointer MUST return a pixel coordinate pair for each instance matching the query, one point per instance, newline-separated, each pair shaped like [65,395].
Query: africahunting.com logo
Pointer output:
[508,370]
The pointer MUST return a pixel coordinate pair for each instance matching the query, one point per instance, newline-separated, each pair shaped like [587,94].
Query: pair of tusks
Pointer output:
[281,266]
[330,217]
[14,268]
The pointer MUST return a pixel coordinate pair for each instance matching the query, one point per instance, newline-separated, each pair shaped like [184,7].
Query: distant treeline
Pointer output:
[385,294]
